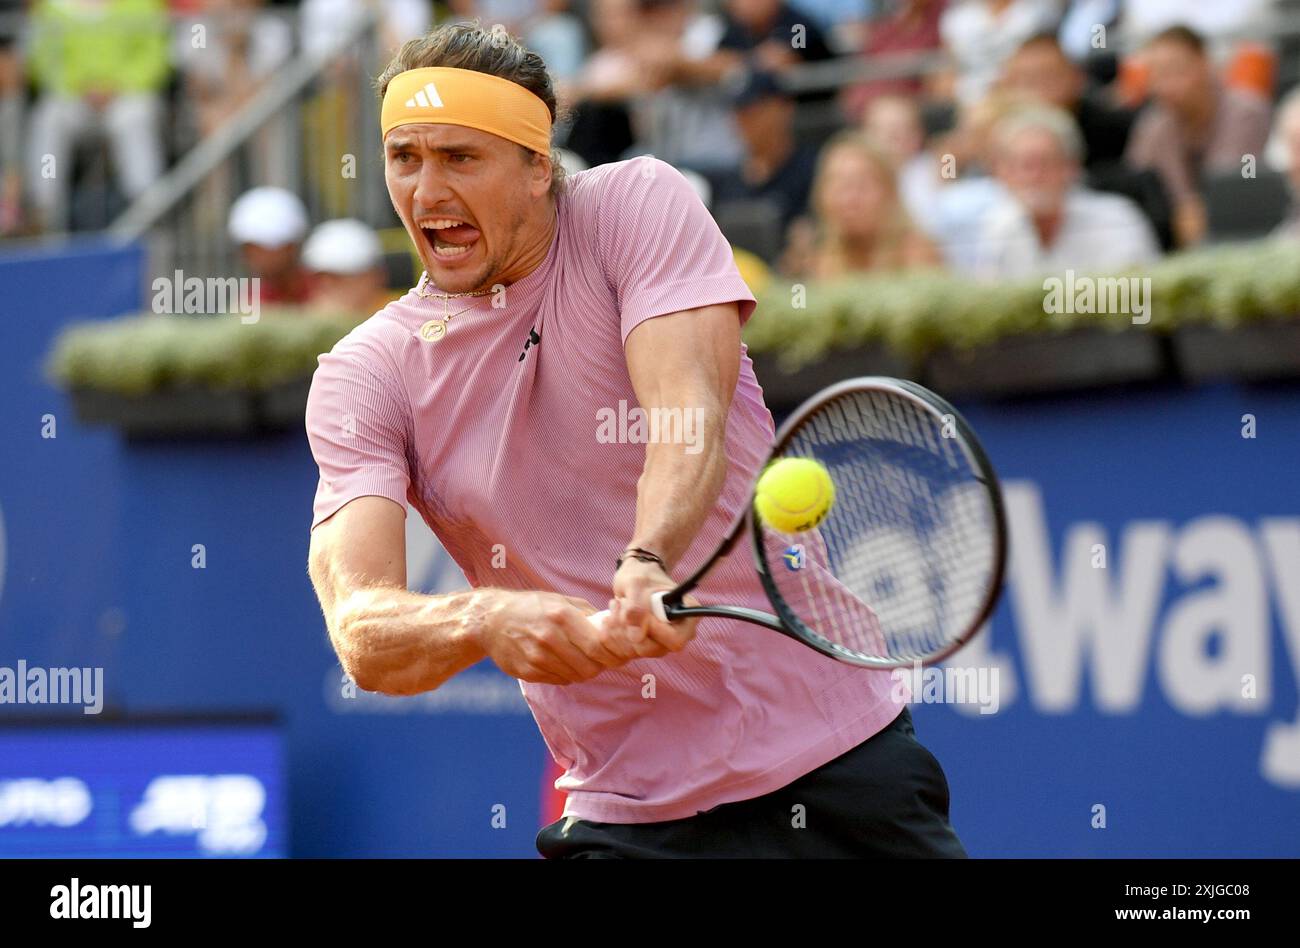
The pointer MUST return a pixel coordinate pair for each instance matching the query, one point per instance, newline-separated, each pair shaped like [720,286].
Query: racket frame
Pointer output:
[668,605]
[790,622]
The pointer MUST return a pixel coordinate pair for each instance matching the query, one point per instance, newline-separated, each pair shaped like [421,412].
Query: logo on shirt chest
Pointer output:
[532,340]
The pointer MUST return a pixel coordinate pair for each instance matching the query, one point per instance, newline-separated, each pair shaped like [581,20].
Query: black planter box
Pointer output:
[282,407]
[1253,352]
[783,391]
[1048,362]
[172,413]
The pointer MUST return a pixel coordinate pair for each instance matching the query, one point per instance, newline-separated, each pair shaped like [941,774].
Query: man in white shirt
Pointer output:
[981,34]
[1047,221]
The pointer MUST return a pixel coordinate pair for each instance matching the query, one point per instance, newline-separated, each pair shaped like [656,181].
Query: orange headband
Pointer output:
[445,96]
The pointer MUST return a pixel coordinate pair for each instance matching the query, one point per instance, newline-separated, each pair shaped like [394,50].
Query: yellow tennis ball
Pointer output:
[794,494]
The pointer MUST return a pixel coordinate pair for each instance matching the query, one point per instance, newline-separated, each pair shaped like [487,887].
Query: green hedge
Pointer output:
[918,312]
[914,314]
[141,354]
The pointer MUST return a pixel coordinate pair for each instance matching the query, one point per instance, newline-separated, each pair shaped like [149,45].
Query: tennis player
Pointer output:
[500,398]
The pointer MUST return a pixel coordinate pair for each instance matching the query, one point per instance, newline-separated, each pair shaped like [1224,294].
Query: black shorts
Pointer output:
[887,797]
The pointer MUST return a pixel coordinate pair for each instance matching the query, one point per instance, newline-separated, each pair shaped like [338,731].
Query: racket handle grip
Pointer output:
[656,606]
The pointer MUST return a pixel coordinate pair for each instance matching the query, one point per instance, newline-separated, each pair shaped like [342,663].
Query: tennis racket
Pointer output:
[907,565]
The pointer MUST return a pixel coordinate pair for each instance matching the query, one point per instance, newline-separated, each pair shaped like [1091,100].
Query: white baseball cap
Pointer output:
[344,246]
[268,217]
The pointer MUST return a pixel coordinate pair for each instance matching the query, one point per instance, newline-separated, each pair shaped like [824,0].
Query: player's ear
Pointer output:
[540,169]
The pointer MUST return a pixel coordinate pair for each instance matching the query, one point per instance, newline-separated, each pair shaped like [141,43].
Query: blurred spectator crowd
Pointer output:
[996,138]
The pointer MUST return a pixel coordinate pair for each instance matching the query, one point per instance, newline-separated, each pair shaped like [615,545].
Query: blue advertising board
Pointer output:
[141,789]
[1148,640]
[1140,675]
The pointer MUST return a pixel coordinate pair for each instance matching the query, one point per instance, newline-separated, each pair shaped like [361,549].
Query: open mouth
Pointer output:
[448,238]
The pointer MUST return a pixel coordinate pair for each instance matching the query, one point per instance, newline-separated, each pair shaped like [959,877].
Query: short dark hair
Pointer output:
[467,45]
[1182,35]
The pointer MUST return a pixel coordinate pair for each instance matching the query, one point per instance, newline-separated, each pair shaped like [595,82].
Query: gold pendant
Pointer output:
[433,330]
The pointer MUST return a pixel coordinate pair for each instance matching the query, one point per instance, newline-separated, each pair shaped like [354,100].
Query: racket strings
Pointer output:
[904,560]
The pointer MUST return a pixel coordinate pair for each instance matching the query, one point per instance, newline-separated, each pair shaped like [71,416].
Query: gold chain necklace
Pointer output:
[435,329]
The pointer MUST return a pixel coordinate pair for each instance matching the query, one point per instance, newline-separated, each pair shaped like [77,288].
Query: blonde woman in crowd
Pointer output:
[858,221]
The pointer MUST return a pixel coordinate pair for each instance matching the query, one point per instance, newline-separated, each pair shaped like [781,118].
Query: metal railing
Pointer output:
[310,128]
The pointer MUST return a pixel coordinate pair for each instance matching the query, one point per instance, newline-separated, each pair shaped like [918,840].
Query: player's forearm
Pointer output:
[402,643]
[679,487]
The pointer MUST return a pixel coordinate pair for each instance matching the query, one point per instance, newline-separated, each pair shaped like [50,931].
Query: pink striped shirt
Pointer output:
[499,446]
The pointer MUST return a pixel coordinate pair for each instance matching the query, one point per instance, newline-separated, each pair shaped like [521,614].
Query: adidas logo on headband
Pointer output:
[442,95]
[425,98]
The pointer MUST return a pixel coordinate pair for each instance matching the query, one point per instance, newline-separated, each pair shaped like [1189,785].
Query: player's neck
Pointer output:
[537,248]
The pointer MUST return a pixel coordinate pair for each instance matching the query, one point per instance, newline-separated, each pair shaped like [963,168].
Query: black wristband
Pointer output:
[636,553]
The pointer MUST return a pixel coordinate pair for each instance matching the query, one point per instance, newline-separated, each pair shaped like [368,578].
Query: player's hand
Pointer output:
[631,612]
[545,637]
